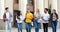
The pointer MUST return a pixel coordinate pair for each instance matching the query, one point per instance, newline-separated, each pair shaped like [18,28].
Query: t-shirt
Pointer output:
[9,16]
[54,17]
[21,19]
[37,15]
[45,17]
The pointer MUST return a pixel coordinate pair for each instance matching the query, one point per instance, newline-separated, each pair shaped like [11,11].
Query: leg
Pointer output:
[27,29]
[9,25]
[55,24]
[6,26]
[53,30]
[21,27]
[44,27]
[18,27]
[36,25]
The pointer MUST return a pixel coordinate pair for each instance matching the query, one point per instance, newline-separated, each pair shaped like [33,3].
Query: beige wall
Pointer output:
[58,4]
[1,8]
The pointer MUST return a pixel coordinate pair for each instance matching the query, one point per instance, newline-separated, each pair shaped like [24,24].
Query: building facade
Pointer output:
[21,5]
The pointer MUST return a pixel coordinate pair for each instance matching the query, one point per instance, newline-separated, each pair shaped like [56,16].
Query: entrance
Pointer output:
[15,11]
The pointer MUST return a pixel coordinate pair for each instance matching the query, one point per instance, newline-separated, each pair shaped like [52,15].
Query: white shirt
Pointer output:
[8,17]
[21,19]
[37,15]
[45,17]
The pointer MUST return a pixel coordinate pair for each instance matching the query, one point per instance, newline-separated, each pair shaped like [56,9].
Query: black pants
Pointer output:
[45,27]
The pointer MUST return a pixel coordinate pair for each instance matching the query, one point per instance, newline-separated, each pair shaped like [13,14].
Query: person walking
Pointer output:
[54,20]
[20,21]
[7,17]
[36,22]
[28,20]
[45,17]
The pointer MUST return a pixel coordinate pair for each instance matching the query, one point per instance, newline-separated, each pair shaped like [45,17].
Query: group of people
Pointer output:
[29,18]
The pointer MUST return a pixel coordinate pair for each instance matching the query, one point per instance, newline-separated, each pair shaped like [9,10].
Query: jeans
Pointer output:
[45,27]
[37,25]
[54,26]
[19,27]
[7,26]
[28,27]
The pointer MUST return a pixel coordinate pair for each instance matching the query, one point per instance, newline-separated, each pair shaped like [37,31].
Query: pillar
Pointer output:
[45,3]
[22,8]
[54,4]
[58,3]
[1,8]
[40,6]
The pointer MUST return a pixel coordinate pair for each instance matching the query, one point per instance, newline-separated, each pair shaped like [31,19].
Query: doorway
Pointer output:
[15,11]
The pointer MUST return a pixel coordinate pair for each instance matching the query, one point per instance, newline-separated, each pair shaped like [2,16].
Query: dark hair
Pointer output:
[46,9]
[6,8]
[54,10]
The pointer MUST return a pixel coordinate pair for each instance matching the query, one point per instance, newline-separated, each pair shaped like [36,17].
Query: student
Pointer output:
[45,18]
[54,20]
[29,17]
[7,17]
[36,22]
[19,22]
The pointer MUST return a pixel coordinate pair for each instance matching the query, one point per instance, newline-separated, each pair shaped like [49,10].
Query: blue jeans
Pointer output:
[28,27]
[7,26]
[19,27]
[54,26]
[37,25]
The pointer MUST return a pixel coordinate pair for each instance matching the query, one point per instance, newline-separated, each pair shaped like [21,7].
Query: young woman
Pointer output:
[19,22]
[36,22]
[28,20]
[54,20]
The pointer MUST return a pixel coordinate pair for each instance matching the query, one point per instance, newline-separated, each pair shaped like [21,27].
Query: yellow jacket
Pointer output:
[29,17]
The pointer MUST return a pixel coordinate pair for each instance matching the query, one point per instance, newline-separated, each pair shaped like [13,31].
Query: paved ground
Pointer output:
[41,30]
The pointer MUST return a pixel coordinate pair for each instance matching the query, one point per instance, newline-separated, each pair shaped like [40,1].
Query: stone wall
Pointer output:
[1,24]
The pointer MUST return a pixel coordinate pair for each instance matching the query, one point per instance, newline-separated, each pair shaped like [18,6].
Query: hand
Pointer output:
[19,19]
[6,19]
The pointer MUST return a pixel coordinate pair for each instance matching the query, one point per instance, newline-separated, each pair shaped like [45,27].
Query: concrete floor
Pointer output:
[41,30]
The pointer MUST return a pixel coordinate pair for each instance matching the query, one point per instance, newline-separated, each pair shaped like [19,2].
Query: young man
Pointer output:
[54,20]
[45,18]
[7,17]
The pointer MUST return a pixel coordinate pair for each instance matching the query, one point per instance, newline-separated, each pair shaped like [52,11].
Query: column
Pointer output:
[1,8]
[22,8]
[58,3]
[9,4]
[54,4]
[40,6]
[45,3]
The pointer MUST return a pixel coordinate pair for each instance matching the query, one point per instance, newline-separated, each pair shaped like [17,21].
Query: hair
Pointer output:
[38,10]
[54,10]
[6,8]
[46,9]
